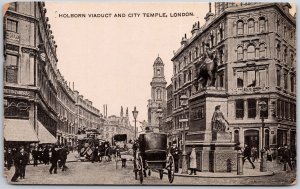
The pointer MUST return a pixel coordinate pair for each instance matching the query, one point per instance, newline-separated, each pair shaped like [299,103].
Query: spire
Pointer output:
[121,114]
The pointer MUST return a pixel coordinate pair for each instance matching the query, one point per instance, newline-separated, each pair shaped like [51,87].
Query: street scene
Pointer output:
[95,94]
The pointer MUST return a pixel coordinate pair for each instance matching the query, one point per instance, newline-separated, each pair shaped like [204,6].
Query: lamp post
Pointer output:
[159,114]
[263,108]
[135,114]
[184,103]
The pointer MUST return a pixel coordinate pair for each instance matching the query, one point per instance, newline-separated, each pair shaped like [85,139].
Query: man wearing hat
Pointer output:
[54,159]
[20,161]
[175,154]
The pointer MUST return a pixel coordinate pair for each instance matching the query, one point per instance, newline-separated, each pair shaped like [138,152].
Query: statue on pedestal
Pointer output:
[206,68]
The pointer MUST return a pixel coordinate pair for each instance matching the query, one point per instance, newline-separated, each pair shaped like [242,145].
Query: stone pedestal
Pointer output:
[215,149]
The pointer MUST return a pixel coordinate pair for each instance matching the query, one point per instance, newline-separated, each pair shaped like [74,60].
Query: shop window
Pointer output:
[251,108]
[239,108]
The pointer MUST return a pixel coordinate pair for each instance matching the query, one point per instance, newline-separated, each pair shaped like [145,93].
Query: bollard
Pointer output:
[240,163]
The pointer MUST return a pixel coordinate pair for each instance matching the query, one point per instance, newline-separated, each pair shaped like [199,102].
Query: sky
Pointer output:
[110,60]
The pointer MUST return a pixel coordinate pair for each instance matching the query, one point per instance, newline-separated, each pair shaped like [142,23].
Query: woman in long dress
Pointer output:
[193,162]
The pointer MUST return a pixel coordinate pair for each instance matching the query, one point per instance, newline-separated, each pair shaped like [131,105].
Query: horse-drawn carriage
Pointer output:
[151,154]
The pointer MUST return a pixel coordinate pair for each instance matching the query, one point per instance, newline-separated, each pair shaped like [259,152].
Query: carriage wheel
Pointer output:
[161,173]
[171,169]
[140,169]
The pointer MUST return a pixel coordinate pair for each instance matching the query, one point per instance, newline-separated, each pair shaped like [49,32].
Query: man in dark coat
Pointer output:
[63,153]
[46,157]
[175,153]
[20,161]
[247,155]
[54,159]
[35,156]
[9,158]
[286,156]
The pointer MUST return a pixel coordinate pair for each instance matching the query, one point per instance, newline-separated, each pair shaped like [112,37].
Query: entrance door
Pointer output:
[252,138]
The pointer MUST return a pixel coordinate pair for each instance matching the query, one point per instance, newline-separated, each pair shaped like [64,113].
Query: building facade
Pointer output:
[255,48]
[39,106]
[117,125]
[158,95]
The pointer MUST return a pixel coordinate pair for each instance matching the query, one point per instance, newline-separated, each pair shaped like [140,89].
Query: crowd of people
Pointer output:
[20,157]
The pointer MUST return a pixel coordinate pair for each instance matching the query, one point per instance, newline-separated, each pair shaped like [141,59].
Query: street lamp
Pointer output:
[263,108]
[135,114]
[159,112]
[184,103]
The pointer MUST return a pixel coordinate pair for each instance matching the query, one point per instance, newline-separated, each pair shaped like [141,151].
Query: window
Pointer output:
[240,79]
[278,51]
[262,51]
[285,78]
[292,84]
[262,78]
[262,24]
[240,27]
[240,53]
[175,69]
[265,114]
[190,75]
[158,72]
[250,52]
[278,25]
[251,108]
[285,55]
[13,6]
[236,136]
[221,79]
[11,68]
[12,25]
[251,78]
[239,108]
[284,31]
[212,40]
[158,94]
[250,26]
[190,57]
[291,60]
[221,55]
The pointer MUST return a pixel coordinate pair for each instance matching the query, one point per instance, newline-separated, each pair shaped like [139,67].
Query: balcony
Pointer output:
[12,36]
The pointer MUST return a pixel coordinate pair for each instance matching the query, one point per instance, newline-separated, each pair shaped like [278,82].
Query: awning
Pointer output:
[19,130]
[44,135]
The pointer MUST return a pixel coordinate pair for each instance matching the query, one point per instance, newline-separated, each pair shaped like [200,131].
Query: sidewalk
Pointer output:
[72,157]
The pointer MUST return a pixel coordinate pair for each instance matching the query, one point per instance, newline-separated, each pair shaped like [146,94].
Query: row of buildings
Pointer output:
[39,104]
[255,48]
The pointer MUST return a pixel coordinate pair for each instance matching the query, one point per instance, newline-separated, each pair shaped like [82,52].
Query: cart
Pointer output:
[151,154]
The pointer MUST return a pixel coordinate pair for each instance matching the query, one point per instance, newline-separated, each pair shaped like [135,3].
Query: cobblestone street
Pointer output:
[106,173]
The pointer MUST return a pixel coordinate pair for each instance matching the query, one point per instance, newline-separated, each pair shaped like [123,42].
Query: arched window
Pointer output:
[240,27]
[175,85]
[250,26]
[158,72]
[262,24]
[262,51]
[196,52]
[236,136]
[190,57]
[240,53]
[251,52]
[292,59]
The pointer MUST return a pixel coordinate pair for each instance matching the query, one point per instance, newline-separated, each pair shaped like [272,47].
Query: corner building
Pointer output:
[255,45]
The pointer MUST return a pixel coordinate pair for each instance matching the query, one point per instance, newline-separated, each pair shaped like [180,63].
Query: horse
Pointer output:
[207,68]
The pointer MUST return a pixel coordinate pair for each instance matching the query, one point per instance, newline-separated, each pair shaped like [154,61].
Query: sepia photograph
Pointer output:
[149,93]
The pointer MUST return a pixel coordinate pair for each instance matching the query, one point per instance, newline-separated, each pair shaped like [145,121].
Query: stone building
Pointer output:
[39,106]
[87,116]
[158,95]
[66,125]
[30,85]
[254,44]
[117,125]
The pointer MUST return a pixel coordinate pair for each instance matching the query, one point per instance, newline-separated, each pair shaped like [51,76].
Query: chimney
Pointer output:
[184,40]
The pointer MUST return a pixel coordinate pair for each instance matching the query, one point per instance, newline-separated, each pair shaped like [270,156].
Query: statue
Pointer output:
[206,68]
[218,121]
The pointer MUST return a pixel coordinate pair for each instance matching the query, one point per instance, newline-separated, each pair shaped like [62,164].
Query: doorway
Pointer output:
[252,138]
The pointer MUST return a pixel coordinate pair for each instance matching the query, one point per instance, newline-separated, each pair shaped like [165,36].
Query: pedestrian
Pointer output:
[54,159]
[35,156]
[8,158]
[95,154]
[101,151]
[286,156]
[269,154]
[63,153]
[46,156]
[24,158]
[247,155]
[193,161]
[175,153]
